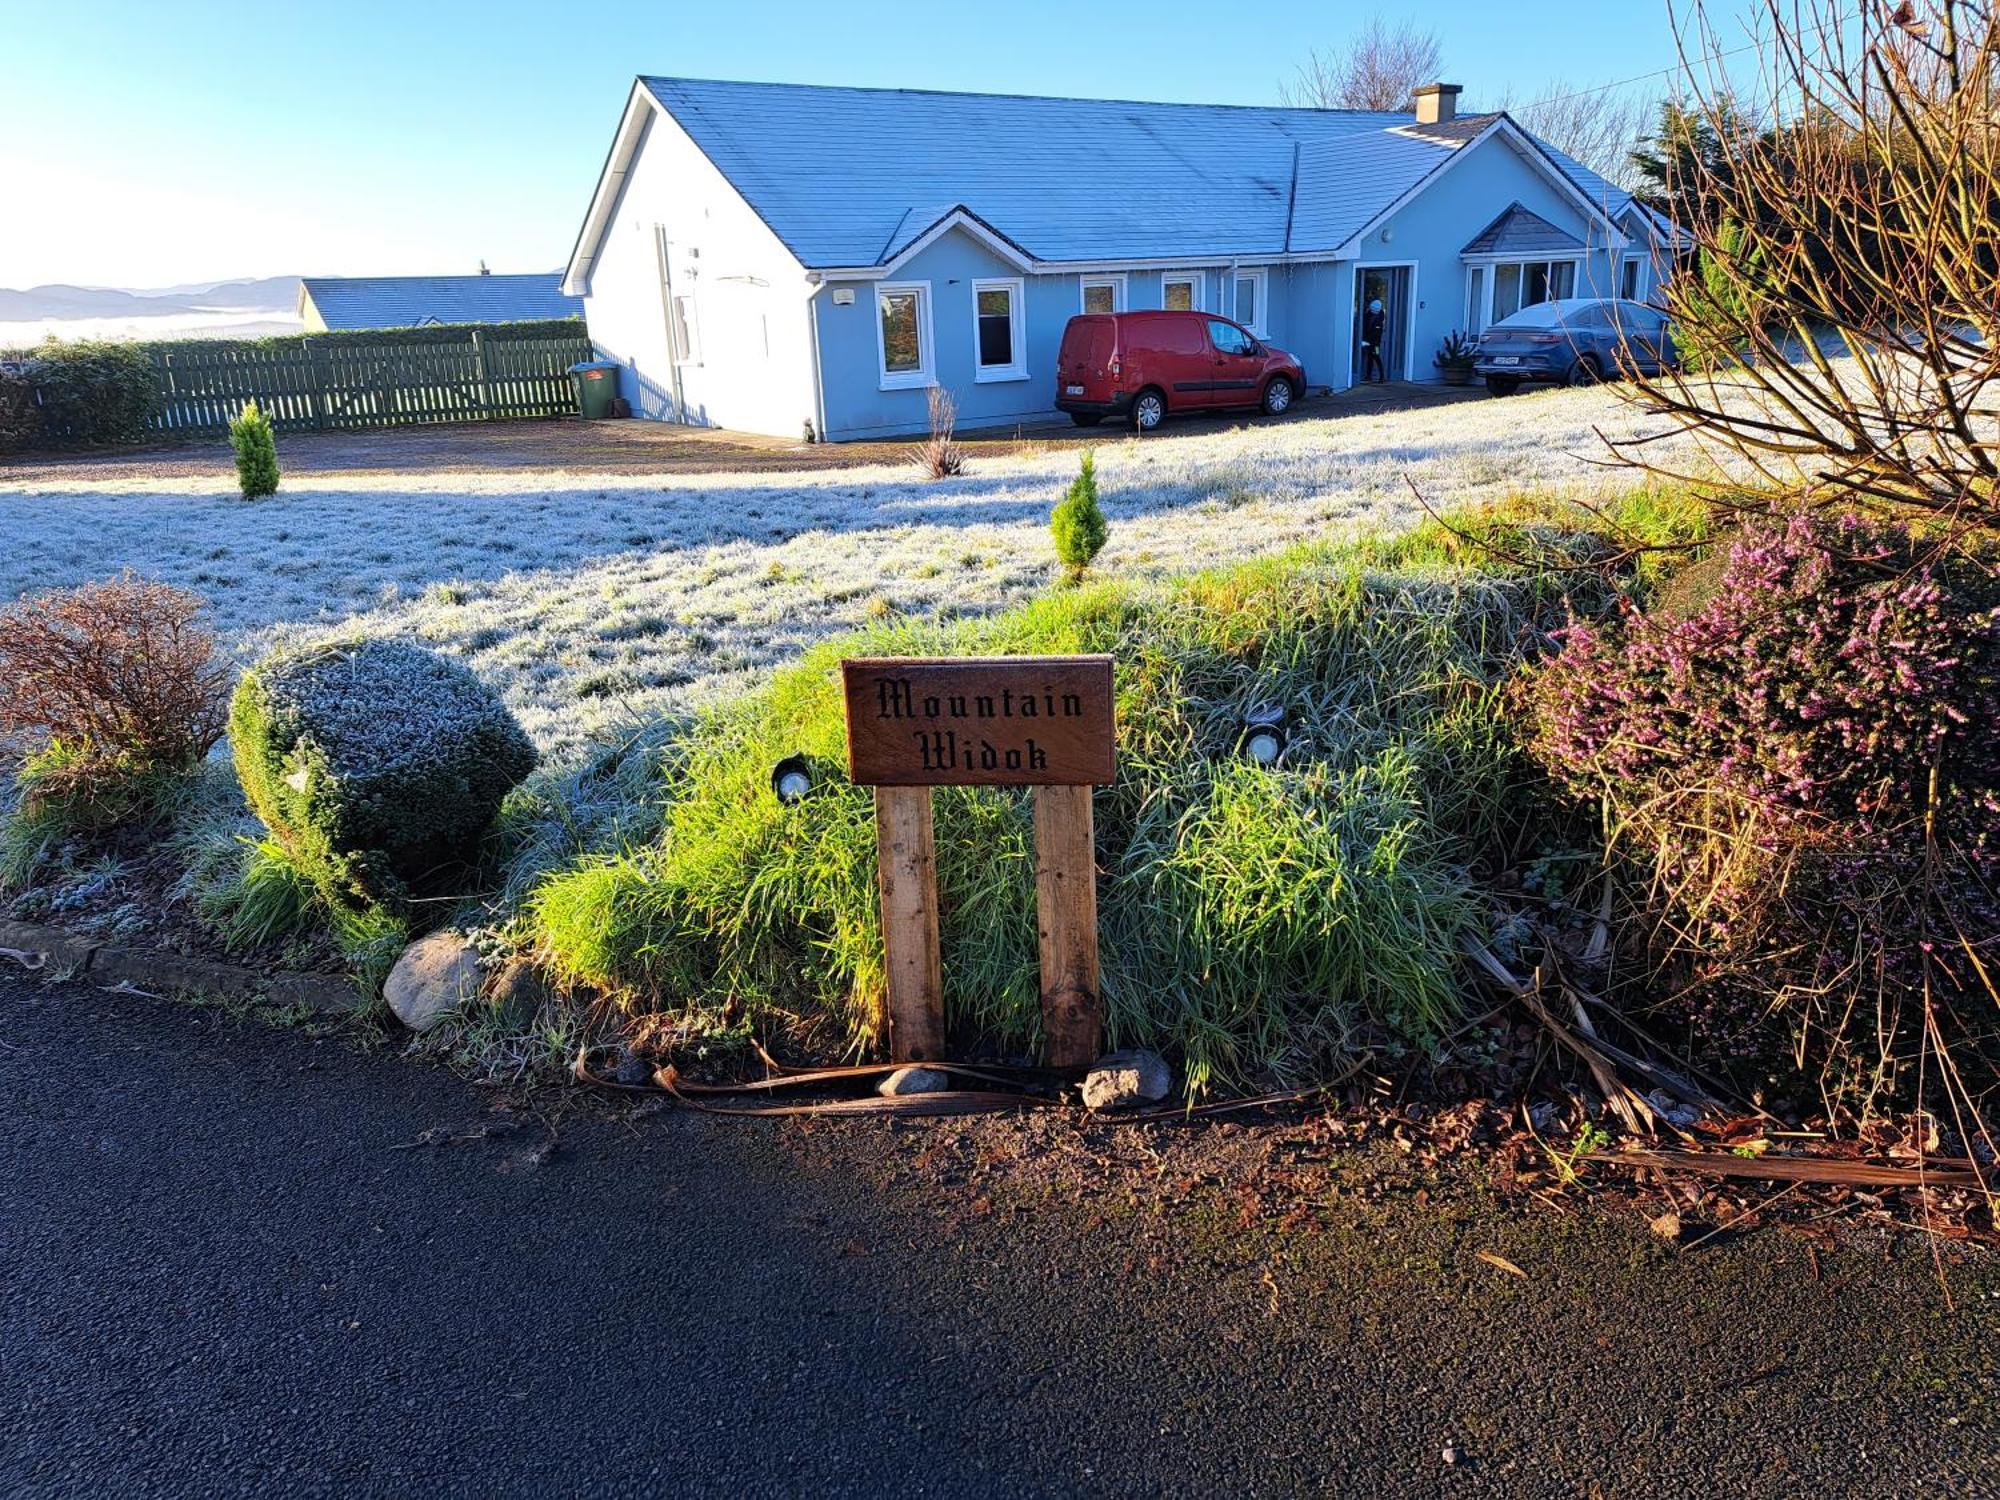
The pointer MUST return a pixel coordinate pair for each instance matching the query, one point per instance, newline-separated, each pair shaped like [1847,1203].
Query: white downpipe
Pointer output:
[665,251]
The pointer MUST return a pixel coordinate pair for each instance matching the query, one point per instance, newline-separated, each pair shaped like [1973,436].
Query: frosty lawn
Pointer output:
[587,599]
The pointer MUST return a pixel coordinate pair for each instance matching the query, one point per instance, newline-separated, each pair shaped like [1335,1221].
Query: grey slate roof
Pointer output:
[1519,231]
[1459,130]
[407,301]
[849,176]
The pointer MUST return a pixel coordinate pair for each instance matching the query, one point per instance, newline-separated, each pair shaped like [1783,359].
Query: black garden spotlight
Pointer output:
[791,779]
[1261,738]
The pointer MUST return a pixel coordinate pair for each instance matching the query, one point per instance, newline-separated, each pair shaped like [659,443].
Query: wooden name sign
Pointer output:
[1040,721]
[979,721]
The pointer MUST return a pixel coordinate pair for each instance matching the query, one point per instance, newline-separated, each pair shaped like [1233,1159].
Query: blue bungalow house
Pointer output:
[773,258]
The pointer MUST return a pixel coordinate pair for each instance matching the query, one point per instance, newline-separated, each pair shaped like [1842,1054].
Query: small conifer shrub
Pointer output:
[1078,524]
[256,452]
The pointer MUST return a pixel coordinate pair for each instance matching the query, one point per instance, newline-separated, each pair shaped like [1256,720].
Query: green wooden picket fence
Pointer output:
[323,384]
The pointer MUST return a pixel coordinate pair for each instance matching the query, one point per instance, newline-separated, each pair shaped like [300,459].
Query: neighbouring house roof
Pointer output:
[1518,231]
[412,301]
[852,177]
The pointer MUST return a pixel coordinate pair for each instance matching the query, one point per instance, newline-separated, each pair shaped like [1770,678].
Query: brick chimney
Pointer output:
[1437,103]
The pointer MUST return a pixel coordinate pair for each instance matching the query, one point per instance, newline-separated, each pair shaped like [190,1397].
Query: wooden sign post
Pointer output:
[1040,721]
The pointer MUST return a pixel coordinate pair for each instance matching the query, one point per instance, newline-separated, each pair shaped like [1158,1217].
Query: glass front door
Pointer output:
[1381,323]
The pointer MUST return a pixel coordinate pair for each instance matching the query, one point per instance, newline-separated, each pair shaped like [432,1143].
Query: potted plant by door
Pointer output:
[1454,357]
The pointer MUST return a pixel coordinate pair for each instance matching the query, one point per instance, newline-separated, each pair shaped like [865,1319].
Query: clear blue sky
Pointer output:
[151,142]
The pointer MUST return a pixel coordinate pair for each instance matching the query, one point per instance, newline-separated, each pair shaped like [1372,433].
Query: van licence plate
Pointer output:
[1072,390]
[1506,359]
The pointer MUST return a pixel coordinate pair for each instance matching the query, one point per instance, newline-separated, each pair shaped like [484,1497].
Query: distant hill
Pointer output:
[268,294]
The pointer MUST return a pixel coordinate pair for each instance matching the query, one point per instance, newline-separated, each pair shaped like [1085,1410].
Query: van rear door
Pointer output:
[1083,362]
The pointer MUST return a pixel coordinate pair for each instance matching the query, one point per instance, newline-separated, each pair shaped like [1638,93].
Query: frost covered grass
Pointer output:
[591,600]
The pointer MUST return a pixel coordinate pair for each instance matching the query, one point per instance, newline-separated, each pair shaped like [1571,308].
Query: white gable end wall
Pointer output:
[749,365]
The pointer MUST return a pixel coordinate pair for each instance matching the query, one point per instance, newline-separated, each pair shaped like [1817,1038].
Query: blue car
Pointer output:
[1574,341]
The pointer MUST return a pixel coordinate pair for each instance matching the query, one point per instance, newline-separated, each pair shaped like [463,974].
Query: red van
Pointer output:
[1142,365]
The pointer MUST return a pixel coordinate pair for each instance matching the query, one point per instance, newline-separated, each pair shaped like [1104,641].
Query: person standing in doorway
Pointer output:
[1374,323]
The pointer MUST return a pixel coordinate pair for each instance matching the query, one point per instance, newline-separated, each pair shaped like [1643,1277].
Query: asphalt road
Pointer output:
[218,1276]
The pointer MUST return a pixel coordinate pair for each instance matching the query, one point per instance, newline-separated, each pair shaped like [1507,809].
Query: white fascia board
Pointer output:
[1516,257]
[960,219]
[639,108]
[1084,267]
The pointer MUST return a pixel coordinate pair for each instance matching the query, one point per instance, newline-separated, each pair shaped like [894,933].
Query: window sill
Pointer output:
[999,376]
[907,382]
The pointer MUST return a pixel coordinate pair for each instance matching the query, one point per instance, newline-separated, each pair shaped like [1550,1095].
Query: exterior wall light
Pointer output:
[791,779]
[1262,735]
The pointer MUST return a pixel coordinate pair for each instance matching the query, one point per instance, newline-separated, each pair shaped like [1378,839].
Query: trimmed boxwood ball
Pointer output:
[377,763]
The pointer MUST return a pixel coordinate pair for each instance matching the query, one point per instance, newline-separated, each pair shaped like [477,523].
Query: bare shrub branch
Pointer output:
[1600,127]
[121,670]
[1377,70]
[1847,292]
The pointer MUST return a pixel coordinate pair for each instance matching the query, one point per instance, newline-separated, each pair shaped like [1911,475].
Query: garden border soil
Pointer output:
[160,971]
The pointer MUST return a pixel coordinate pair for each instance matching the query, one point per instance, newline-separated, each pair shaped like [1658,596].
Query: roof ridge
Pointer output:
[863,88]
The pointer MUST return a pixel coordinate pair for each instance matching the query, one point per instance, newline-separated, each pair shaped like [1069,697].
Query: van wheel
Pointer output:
[1086,418]
[1503,385]
[1278,397]
[1583,372]
[1149,409]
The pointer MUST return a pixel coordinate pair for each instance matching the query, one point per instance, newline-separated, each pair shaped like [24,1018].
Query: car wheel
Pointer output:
[1086,418]
[1149,409]
[1278,397]
[1583,372]
[1503,385]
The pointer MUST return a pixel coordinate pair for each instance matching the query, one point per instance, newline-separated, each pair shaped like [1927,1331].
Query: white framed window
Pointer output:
[1523,283]
[1475,300]
[1103,294]
[686,330]
[999,330]
[903,334]
[1631,278]
[1180,291]
[1247,304]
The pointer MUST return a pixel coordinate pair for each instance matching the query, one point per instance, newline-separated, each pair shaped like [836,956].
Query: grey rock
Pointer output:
[913,1081]
[1120,1079]
[434,977]
[518,994]
[1672,1110]
[633,1070]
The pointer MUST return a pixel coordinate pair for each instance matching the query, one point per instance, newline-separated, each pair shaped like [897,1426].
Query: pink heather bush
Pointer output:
[1807,772]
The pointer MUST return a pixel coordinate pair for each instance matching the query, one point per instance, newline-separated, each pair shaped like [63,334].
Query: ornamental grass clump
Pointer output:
[1802,778]
[256,445]
[378,765]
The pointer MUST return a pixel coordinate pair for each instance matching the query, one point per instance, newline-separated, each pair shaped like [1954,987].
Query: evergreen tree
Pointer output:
[1078,523]
[256,452]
